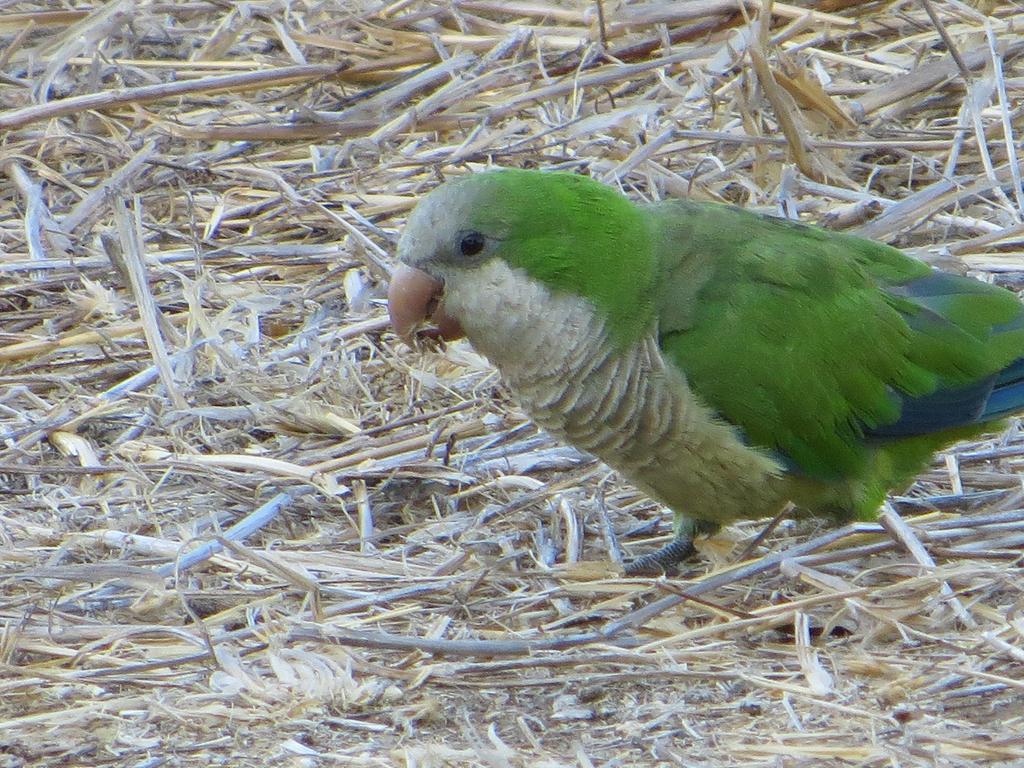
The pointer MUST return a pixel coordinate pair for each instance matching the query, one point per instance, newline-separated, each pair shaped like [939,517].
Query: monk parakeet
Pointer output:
[724,361]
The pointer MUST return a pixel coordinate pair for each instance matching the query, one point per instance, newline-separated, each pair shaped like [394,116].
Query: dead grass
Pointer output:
[242,524]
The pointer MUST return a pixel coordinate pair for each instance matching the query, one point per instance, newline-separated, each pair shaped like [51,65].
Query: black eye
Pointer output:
[471,243]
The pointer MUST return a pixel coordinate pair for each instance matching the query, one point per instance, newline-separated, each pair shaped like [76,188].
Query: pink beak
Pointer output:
[413,298]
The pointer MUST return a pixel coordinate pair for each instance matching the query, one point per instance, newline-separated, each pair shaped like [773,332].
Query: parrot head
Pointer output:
[483,255]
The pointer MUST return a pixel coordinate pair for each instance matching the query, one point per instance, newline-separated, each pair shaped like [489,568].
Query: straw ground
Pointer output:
[243,525]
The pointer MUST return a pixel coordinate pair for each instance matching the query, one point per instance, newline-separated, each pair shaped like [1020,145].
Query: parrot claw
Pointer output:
[664,560]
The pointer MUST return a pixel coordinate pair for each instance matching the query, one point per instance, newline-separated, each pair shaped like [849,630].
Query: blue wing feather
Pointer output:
[1007,395]
[939,300]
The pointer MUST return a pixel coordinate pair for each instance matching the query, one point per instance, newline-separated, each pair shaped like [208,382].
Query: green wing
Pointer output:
[820,346]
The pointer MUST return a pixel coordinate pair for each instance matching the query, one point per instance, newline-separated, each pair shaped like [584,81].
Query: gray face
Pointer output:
[437,250]
[442,235]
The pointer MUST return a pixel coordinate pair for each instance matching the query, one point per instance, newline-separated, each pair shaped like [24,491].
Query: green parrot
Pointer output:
[724,361]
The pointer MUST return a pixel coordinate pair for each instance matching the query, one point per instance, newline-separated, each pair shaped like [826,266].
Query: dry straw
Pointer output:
[242,523]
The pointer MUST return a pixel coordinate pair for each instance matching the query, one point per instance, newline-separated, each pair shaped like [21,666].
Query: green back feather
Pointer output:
[809,339]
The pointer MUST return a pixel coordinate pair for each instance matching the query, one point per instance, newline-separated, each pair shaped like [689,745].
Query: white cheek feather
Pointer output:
[628,407]
[511,318]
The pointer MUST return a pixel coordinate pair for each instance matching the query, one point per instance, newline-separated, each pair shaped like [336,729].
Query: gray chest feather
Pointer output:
[627,407]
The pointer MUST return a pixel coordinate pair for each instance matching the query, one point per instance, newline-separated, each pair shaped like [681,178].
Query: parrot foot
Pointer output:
[664,560]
